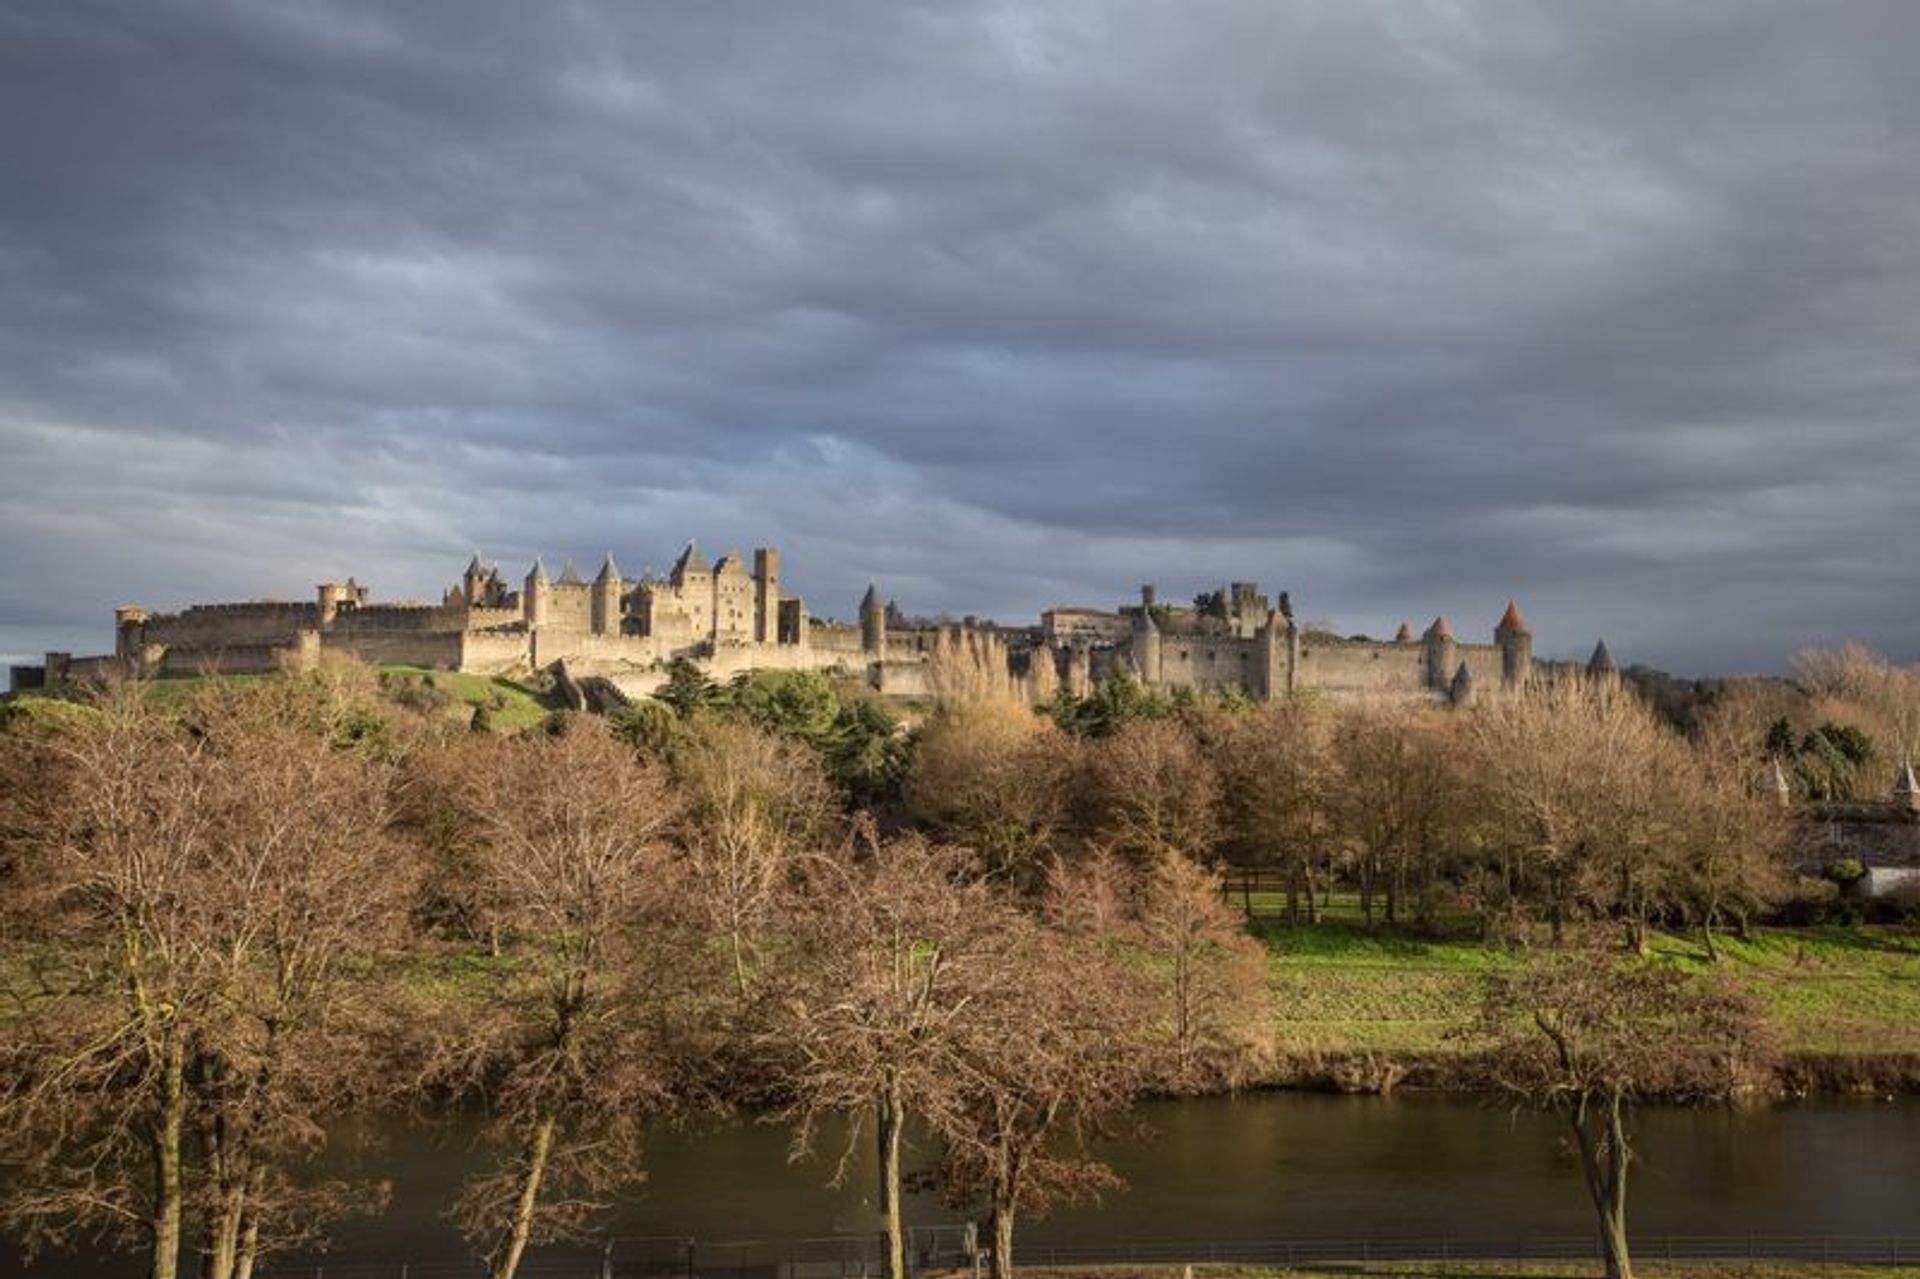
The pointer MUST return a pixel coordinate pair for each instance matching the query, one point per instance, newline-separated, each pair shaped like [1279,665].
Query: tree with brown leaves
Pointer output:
[1205,978]
[564,1040]
[994,777]
[1589,1033]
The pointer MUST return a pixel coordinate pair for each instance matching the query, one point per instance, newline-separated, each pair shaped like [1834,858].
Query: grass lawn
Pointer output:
[510,706]
[1346,988]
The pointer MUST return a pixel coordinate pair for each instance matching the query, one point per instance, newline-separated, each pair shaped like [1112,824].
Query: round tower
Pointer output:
[873,622]
[1600,667]
[534,602]
[1440,653]
[1460,691]
[330,594]
[607,589]
[129,632]
[1146,648]
[1515,639]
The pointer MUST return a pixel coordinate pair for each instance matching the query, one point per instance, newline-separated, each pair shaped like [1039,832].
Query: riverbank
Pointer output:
[1362,1009]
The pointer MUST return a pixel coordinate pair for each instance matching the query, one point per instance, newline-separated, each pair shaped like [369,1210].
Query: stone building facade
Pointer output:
[733,615]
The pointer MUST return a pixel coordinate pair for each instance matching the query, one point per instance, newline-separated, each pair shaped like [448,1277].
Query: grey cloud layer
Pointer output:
[1401,306]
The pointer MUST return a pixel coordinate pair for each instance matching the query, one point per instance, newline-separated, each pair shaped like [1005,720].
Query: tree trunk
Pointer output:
[226,1170]
[891,1121]
[167,1192]
[1604,1159]
[1613,1211]
[1002,1261]
[223,1235]
[1706,935]
[515,1244]
[250,1231]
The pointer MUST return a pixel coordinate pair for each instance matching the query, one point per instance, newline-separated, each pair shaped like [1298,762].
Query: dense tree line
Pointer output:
[232,918]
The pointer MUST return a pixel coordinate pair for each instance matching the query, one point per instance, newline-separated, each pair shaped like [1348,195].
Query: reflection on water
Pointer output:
[1264,1166]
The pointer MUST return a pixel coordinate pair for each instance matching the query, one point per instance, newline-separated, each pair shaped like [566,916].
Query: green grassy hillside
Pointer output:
[1345,988]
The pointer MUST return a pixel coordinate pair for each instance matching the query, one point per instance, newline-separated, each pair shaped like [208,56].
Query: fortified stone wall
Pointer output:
[225,625]
[1211,662]
[569,607]
[834,637]
[396,618]
[495,652]
[399,647]
[1362,668]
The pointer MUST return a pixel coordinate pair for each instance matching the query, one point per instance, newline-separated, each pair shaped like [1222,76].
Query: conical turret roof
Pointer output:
[1601,662]
[538,573]
[691,561]
[1511,621]
[1440,630]
[1462,687]
[1404,635]
[871,600]
[570,576]
[474,567]
[609,571]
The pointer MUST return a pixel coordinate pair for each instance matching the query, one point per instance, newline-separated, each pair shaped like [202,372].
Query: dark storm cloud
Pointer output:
[1402,306]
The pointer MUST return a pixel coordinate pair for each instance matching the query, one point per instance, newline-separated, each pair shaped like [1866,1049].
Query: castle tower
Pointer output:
[1600,666]
[1146,646]
[129,632]
[1404,635]
[1276,649]
[1441,654]
[473,583]
[1460,691]
[330,596]
[873,623]
[533,604]
[766,595]
[1516,648]
[607,589]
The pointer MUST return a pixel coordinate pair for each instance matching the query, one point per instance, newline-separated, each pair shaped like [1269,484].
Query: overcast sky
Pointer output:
[1403,307]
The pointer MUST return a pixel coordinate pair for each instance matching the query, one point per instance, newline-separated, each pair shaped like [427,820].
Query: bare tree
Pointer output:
[1280,778]
[1398,797]
[757,803]
[207,874]
[303,882]
[1043,1062]
[565,1043]
[896,945]
[1149,789]
[1576,778]
[1590,1033]
[1206,979]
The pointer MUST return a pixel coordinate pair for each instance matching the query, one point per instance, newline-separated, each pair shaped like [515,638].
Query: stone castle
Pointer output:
[731,616]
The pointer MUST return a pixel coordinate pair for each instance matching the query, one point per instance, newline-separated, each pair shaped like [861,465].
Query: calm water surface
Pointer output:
[1265,1166]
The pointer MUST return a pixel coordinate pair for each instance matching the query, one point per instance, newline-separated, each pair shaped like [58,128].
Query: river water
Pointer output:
[1262,1166]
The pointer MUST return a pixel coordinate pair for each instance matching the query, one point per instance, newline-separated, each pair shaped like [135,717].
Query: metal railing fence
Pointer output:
[946,1250]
